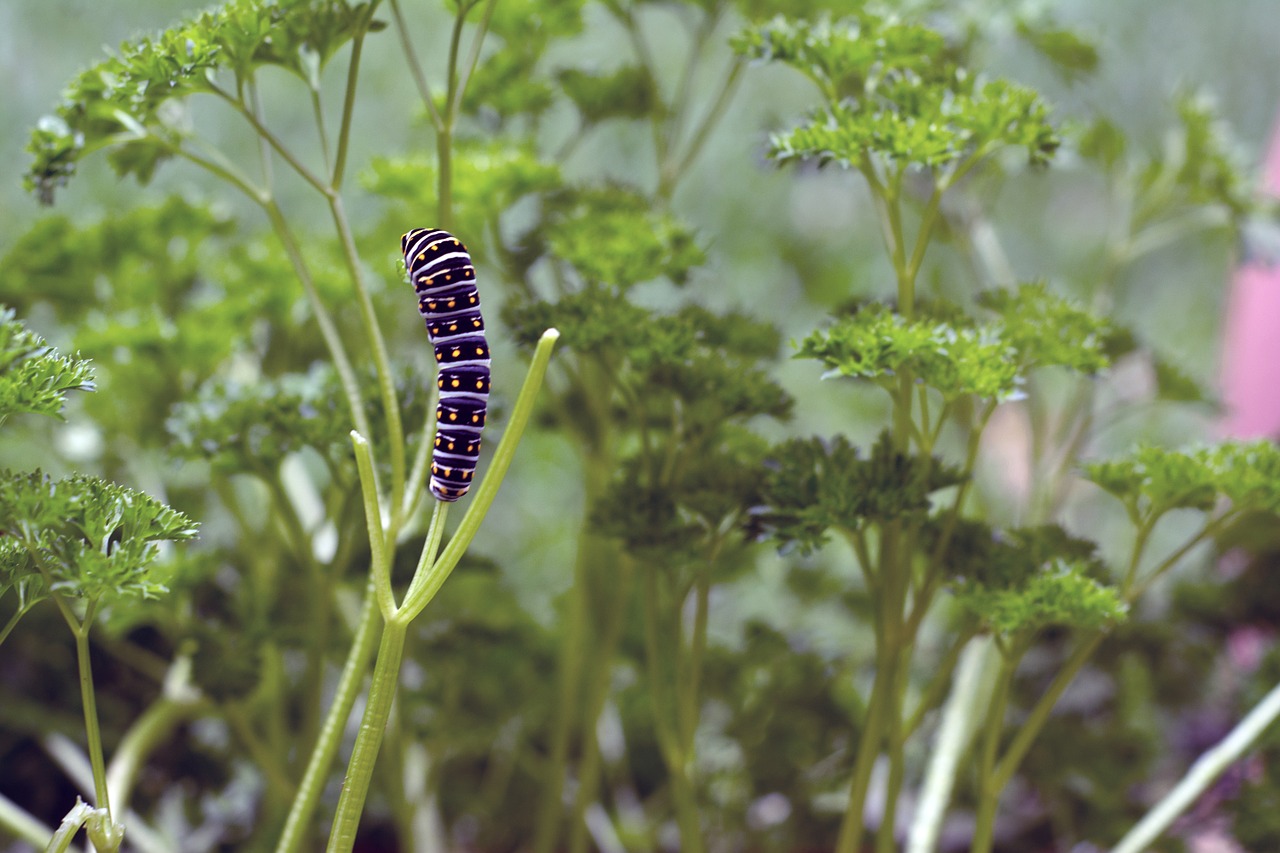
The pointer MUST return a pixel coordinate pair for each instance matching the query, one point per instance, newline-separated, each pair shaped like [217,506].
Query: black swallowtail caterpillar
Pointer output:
[442,274]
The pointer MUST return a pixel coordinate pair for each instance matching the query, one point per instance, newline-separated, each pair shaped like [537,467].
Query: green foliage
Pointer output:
[1025,579]
[892,90]
[1060,595]
[613,236]
[1073,56]
[510,82]
[1048,331]
[90,538]
[816,486]
[252,426]
[33,378]
[705,361]
[627,92]
[122,100]
[1153,480]
[949,352]
[488,177]
[878,344]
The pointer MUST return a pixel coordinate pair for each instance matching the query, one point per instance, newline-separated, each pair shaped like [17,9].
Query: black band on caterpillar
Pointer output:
[445,279]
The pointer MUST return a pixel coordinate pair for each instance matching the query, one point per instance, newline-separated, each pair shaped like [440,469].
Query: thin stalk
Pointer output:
[444,131]
[1035,721]
[850,838]
[689,685]
[13,620]
[379,556]
[382,691]
[597,692]
[473,58]
[683,797]
[147,733]
[21,825]
[89,701]
[886,841]
[348,104]
[968,695]
[226,172]
[279,147]
[381,361]
[255,744]
[264,150]
[989,787]
[569,669]
[669,177]
[1206,769]
[933,693]
[317,112]
[296,825]
[328,330]
[415,68]
[435,532]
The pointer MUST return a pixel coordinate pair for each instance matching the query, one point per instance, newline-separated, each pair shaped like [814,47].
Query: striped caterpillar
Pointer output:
[445,280]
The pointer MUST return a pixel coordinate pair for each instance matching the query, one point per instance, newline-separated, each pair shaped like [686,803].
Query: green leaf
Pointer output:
[1060,595]
[612,235]
[126,101]
[877,344]
[88,537]
[1071,54]
[33,377]
[627,92]
[488,177]
[1027,578]
[1152,480]
[815,486]
[1049,331]
[892,90]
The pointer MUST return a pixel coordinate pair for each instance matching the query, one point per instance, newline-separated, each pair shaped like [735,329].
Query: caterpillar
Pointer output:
[444,278]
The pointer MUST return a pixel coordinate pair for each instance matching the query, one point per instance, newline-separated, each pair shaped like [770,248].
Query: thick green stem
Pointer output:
[382,691]
[295,833]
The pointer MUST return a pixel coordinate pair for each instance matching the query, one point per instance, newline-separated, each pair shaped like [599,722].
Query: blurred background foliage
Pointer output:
[206,363]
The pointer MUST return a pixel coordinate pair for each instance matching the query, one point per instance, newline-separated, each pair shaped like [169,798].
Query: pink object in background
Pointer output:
[1251,340]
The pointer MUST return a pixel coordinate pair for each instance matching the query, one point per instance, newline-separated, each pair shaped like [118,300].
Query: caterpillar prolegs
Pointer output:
[445,280]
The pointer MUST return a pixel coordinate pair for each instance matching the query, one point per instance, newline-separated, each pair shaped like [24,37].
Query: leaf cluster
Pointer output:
[894,89]
[665,517]
[488,177]
[612,235]
[626,92]
[508,83]
[1028,578]
[1154,480]
[814,486]
[1200,165]
[251,426]
[707,362]
[958,356]
[89,538]
[124,101]
[33,377]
